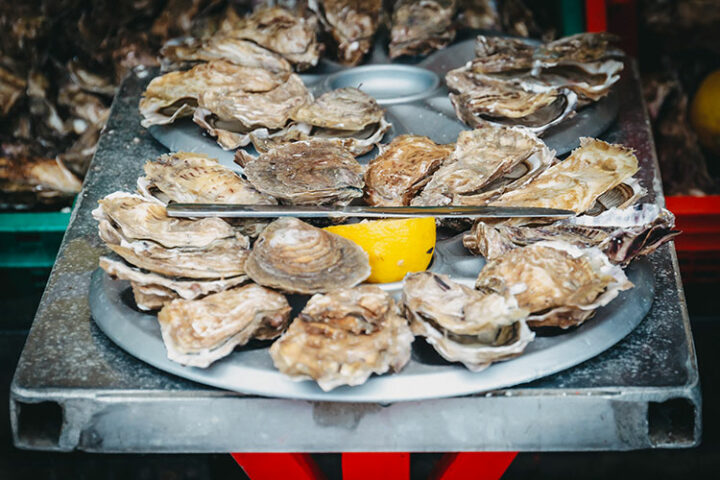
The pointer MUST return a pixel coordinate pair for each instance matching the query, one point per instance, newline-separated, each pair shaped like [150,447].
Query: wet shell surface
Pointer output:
[352,24]
[462,324]
[199,332]
[419,28]
[343,337]
[295,257]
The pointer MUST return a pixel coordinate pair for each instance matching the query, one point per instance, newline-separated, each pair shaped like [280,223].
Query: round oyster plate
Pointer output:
[250,370]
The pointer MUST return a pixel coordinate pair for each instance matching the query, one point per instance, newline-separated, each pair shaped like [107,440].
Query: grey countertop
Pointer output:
[74,389]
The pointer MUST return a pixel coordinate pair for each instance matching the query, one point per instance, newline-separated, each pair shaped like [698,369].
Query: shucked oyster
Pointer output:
[419,28]
[462,324]
[199,332]
[403,167]
[232,114]
[352,24]
[486,162]
[305,173]
[621,234]
[295,257]
[152,290]
[343,337]
[185,177]
[560,284]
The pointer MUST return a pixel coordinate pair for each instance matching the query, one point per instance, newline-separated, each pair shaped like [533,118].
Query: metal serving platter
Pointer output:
[416,101]
[250,369]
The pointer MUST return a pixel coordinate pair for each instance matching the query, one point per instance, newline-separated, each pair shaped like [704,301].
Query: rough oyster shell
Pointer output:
[152,291]
[560,284]
[343,337]
[12,89]
[486,162]
[185,177]
[295,257]
[575,183]
[35,178]
[176,94]
[419,28]
[402,169]
[495,54]
[305,173]
[352,24]
[199,332]
[462,324]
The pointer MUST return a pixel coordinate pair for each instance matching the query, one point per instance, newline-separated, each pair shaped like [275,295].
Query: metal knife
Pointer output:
[302,211]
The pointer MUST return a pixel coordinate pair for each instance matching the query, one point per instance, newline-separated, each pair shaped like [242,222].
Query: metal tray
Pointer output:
[250,370]
[416,100]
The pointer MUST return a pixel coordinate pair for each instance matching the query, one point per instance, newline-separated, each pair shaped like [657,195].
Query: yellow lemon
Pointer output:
[395,247]
[705,112]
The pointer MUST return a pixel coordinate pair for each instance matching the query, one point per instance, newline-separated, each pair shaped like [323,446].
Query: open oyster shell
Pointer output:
[343,337]
[402,169]
[419,28]
[560,284]
[295,257]
[305,173]
[152,290]
[199,332]
[352,24]
[462,324]
[486,162]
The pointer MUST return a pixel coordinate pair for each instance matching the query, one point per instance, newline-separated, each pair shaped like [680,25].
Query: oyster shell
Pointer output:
[560,284]
[152,291]
[419,28]
[402,169]
[576,183]
[352,24]
[305,173]
[199,332]
[176,94]
[232,114]
[621,234]
[288,33]
[28,179]
[343,337]
[295,257]
[462,324]
[185,177]
[486,162]
[12,89]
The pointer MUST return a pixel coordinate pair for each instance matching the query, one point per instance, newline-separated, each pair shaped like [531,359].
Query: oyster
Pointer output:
[305,173]
[621,234]
[26,180]
[288,33]
[419,28]
[199,332]
[402,169]
[196,178]
[560,284]
[577,182]
[295,257]
[343,337]
[232,114]
[495,54]
[176,94]
[352,24]
[152,290]
[462,324]
[486,162]
[12,88]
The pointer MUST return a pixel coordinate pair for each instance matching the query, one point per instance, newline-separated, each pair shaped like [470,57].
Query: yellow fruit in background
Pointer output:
[705,112]
[395,247]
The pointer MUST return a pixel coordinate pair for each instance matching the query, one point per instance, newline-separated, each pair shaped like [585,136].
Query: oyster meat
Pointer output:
[402,169]
[199,332]
[185,177]
[419,28]
[232,114]
[560,284]
[486,162]
[352,24]
[305,173]
[621,234]
[152,290]
[295,257]
[462,324]
[343,337]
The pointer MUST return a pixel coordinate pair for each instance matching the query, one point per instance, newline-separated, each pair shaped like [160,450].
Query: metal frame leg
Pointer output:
[474,465]
[273,466]
[376,466]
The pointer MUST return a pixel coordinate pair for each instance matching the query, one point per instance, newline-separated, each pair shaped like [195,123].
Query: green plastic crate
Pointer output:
[31,239]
